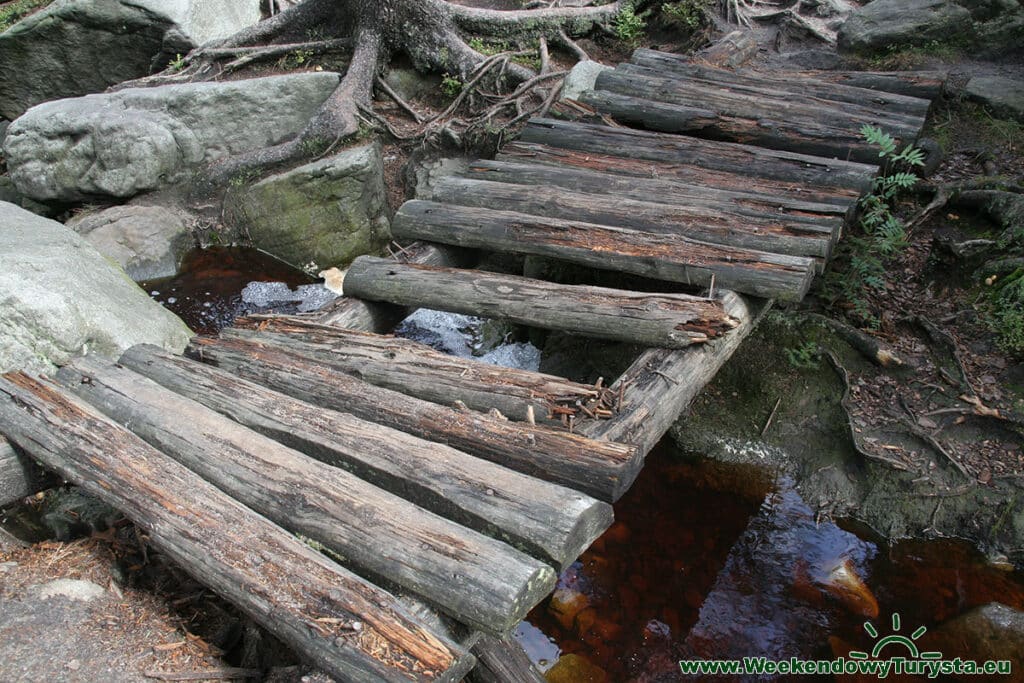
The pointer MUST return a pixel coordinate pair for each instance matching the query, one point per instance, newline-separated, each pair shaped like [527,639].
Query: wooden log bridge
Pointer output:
[445,493]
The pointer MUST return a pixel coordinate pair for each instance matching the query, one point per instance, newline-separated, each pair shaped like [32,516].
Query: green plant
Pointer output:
[1006,312]
[803,357]
[488,48]
[295,59]
[882,233]
[687,14]
[451,86]
[177,64]
[13,12]
[629,25]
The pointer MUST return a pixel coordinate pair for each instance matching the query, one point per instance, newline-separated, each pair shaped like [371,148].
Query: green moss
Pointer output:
[13,12]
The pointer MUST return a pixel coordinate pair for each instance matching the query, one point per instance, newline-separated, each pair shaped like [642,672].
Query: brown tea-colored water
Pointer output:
[711,561]
[207,293]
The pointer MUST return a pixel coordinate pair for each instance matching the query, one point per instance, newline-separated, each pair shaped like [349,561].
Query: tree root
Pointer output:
[871,348]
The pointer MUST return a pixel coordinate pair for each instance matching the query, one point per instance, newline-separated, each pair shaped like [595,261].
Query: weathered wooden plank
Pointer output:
[416,369]
[660,383]
[20,477]
[827,175]
[664,257]
[543,519]
[640,171]
[720,121]
[712,224]
[666,320]
[654,188]
[751,99]
[602,469]
[781,84]
[476,579]
[375,317]
[300,596]
[502,660]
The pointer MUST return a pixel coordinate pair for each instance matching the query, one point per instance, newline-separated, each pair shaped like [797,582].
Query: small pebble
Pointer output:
[74,665]
[7,566]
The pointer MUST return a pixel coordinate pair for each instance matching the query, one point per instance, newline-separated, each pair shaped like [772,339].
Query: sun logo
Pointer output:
[895,638]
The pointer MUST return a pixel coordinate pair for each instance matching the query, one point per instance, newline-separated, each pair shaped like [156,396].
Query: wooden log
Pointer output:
[731,50]
[780,84]
[801,136]
[711,224]
[827,175]
[543,519]
[660,383]
[502,660]
[375,317]
[478,580]
[758,99]
[927,85]
[664,257]
[20,477]
[416,369]
[309,602]
[601,469]
[666,320]
[691,175]
[654,188]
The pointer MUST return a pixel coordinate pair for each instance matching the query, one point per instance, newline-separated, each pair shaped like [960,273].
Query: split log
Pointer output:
[661,384]
[927,85]
[643,171]
[827,175]
[416,369]
[734,124]
[781,84]
[20,477]
[654,188]
[543,519]
[664,257]
[502,660]
[666,320]
[478,580]
[300,596]
[601,469]
[361,315]
[752,98]
[712,224]
[731,50]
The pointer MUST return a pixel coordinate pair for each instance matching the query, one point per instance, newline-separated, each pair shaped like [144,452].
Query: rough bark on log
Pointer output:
[734,125]
[713,224]
[20,477]
[416,369]
[927,85]
[476,579]
[297,594]
[802,84]
[686,174]
[731,50]
[540,518]
[502,660]
[826,175]
[660,384]
[753,98]
[601,469]
[362,315]
[665,320]
[662,257]
[659,190]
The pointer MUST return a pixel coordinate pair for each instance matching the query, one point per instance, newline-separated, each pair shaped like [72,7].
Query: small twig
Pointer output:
[771,417]
[208,674]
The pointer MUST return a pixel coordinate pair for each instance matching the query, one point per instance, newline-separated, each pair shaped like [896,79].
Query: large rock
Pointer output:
[882,24]
[319,215]
[990,632]
[59,297]
[124,143]
[1004,96]
[75,47]
[149,242]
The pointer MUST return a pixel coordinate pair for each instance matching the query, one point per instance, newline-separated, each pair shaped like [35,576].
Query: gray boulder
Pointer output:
[582,78]
[59,297]
[903,23]
[1004,96]
[149,242]
[319,215]
[124,143]
[74,47]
